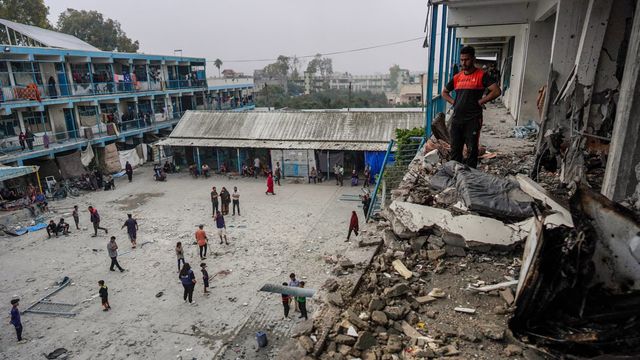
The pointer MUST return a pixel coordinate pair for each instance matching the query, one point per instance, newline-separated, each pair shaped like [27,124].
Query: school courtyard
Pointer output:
[292,231]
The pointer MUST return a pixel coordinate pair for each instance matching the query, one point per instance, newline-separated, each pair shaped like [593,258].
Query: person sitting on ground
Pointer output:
[63,227]
[52,228]
[205,170]
[41,201]
[193,170]
[354,178]
[313,175]
[223,168]
[245,170]
[109,184]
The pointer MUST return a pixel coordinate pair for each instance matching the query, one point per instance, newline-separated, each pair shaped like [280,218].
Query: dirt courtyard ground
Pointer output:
[291,231]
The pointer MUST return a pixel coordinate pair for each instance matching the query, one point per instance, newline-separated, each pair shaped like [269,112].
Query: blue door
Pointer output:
[70,121]
[62,80]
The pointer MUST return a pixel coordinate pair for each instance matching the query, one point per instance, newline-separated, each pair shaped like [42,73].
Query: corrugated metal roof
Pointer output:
[292,129]
[49,37]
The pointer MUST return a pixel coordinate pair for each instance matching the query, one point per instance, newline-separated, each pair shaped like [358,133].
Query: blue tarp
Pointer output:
[374,160]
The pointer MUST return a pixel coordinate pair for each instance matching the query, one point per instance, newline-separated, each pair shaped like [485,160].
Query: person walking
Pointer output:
[353,225]
[112,249]
[201,239]
[302,304]
[285,302]
[179,254]
[222,227]
[270,185]
[367,176]
[95,220]
[188,280]
[129,170]
[469,85]
[214,201]
[236,200]
[15,319]
[256,167]
[366,202]
[104,296]
[132,229]
[76,216]
[278,173]
[205,277]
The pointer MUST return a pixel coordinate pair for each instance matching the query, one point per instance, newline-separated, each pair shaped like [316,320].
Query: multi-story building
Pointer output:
[66,94]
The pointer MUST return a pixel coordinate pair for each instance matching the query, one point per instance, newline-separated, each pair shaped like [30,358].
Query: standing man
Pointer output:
[21,139]
[76,216]
[214,201]
[222,227]
[225,200]
[132,229]
[112,248]
[129,169]
[29,137]
[336,173]
[201,239]
[236,200]
[469,85]
[293,282]
[95,220]
[341,175]
[15,319]
[278,172]
[256,166]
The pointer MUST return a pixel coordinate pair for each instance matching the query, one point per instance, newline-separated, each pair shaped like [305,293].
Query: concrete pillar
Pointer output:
[624,150]
[536,68]
[570,16]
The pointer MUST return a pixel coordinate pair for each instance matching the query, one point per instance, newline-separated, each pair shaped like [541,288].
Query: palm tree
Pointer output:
[218,63]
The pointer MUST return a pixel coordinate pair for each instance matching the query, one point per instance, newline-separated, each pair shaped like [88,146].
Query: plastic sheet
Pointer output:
[484,193]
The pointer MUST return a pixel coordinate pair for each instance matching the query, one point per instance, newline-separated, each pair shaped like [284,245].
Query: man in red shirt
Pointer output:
[201,238]
[470,85]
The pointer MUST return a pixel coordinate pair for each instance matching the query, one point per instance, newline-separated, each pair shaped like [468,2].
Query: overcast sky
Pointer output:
[264,29]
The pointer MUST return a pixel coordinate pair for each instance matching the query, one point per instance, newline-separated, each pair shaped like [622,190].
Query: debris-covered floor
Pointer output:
[291,231]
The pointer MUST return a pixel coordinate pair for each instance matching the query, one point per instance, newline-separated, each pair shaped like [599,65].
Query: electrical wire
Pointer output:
[329,53]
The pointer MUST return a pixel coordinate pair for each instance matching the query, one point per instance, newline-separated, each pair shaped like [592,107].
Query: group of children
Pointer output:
[300,302]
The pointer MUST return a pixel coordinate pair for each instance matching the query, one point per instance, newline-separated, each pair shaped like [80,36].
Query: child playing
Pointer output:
[302,303]
[104,295]
[285,302]
[205,277]
[179,254]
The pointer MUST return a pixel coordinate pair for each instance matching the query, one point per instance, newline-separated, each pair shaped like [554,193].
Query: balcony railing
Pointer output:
[49,140]
[39,92]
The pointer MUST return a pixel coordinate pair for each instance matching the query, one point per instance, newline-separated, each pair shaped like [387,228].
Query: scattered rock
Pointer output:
[159,294]
[344,340]
[365,341]
[57,353]
[397,290]
[492,331]
[331,285]
[346,263]
[507,295]
[335,298]
[512,350]
[436,293]
[307,343]
[376,304]
[425,299]
[394,344]
[454,251]
[401,269]
[379,318]
[435,254]
[418,242]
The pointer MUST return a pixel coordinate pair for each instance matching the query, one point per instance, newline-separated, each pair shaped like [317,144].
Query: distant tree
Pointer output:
[29,12]
[296,65]
[394,74]
[328,99]
[218,64]
[279,70]
[92,27]
[324,66]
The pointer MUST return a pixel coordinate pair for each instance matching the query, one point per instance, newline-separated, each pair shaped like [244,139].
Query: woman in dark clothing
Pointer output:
[188,280]
[225,200]
[52,87]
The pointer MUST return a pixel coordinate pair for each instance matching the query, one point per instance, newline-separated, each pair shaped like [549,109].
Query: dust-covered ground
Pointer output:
[276,235]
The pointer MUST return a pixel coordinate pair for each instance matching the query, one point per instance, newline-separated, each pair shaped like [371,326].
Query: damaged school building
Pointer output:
[497,262]
[299,140]
[76,103]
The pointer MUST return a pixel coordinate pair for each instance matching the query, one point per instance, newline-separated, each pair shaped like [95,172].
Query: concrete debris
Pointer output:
[437,293]
[335,298]
[397,290]
[464,230]
[401,269]
[498,286]
[465,310]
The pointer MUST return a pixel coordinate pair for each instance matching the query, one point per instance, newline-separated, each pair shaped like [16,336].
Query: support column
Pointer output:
[239,165]
[198,157]
[442,55]
[536,68]
[624,150]
[218,159]
[430,70]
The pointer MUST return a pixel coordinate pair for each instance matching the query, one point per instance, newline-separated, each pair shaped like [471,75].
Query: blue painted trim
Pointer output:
[443,29]
[431,67]
[380,176]
[31,51]
[226,87]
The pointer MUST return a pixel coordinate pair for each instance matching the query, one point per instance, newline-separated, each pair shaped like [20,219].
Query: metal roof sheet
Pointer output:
[327,130]
[49,37]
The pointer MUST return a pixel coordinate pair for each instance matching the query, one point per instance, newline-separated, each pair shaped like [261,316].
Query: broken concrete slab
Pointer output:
[335,298]
[561,215]
[465,230]
[401,269]
[365,341]
[436,254]
[396,290]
